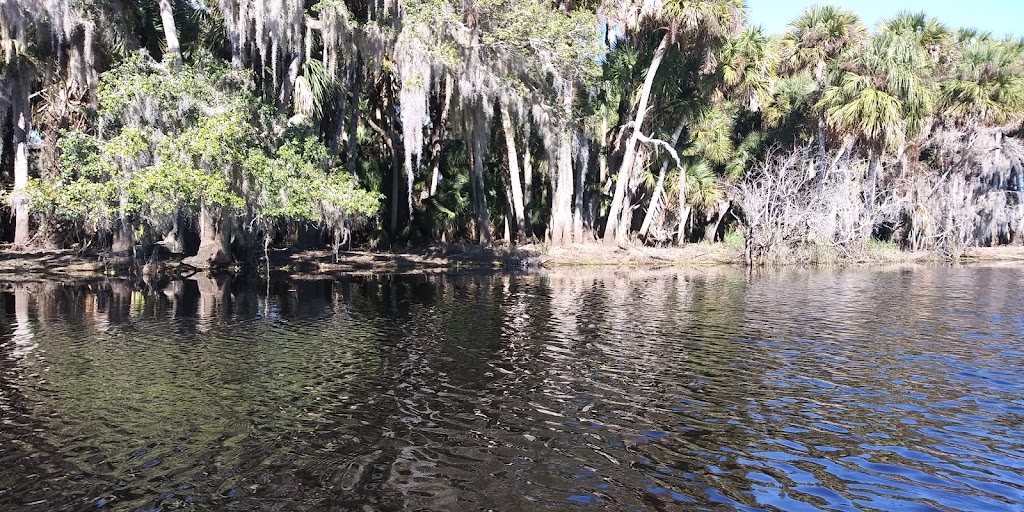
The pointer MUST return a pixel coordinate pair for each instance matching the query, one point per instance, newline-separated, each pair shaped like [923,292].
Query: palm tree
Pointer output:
[814,41]
[698,187]
[710,146]
[986,86]
[700,23]
[745,75]
[880,96]
[747,68]
[930,33]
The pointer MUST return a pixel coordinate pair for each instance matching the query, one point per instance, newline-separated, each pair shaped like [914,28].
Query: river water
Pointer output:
[841,389]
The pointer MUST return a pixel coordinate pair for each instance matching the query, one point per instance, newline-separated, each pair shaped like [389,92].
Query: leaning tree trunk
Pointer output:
[684,216]
[615,230]
[515,183]
[171,34]
[655,207]
[684,207]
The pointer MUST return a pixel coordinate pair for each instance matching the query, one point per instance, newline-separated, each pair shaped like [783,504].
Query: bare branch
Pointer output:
[658,142]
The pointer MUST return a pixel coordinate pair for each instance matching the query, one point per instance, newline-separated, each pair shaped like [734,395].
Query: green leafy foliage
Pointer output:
[174,141]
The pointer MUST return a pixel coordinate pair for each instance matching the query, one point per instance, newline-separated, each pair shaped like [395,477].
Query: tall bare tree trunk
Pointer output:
[578,189]
[684,207]
[173,55]
[561,202]
[655,206]
[478,142]
[437,147]
[396,180]
[22,128]
[515,183]
[435,174]
[352,152]
[615,230]
[527,171]
[397,148]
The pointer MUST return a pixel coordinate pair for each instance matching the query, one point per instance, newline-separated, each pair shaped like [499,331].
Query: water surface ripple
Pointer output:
[855,389]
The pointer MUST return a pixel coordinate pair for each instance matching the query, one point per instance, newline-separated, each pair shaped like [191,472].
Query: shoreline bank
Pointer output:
[70,264]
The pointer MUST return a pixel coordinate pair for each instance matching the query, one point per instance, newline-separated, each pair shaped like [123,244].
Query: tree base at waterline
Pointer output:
[16,264]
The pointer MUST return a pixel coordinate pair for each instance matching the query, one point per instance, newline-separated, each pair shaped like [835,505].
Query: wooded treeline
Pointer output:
[220,128]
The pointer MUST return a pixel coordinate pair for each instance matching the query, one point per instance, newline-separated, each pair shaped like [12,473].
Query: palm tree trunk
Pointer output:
[515,182]
[684,216]
[874,163]
[615,229]
[659,188]
[173,54]
[821,151]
